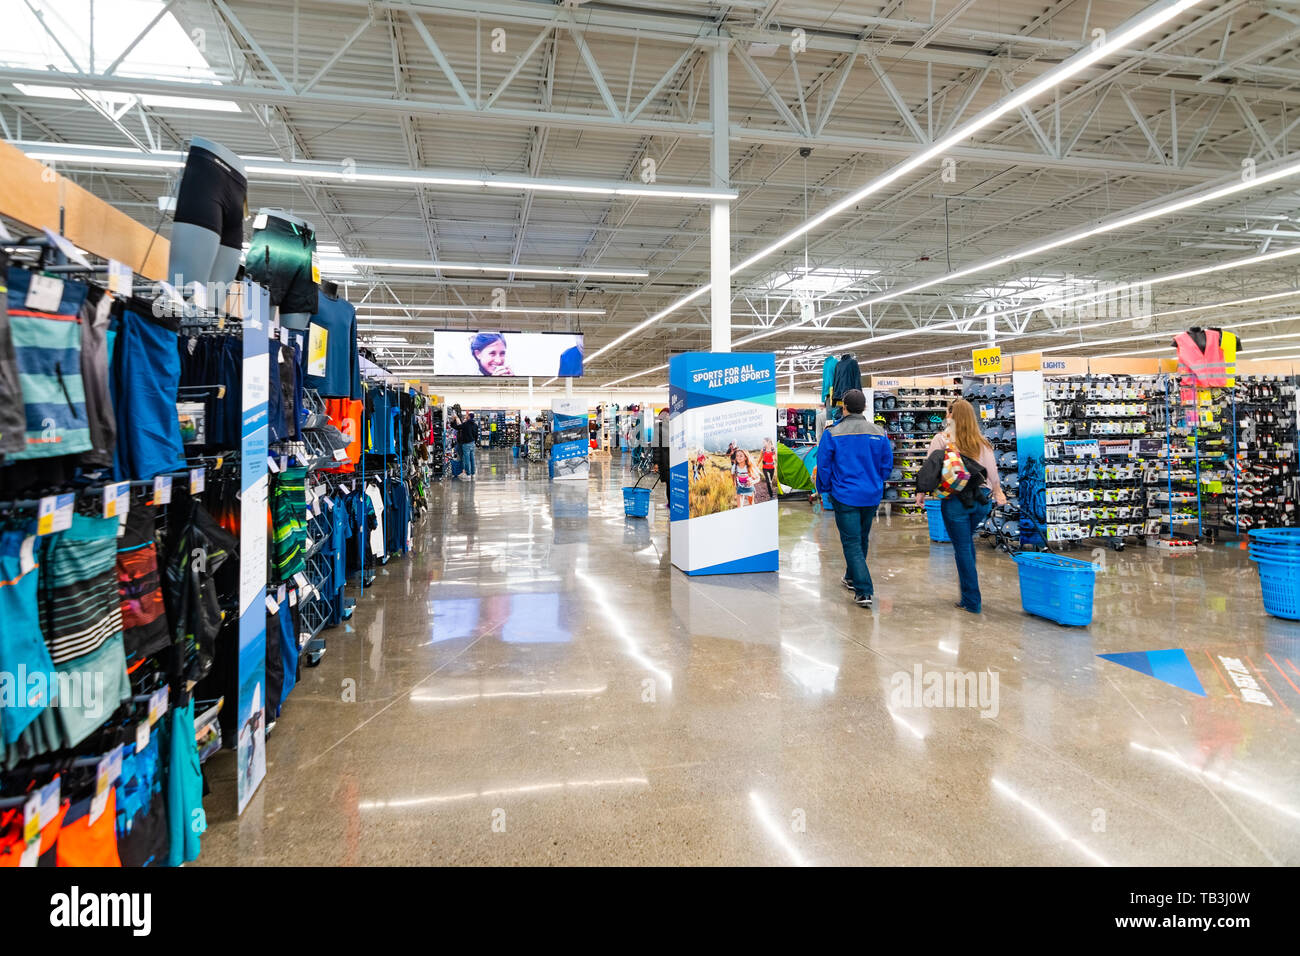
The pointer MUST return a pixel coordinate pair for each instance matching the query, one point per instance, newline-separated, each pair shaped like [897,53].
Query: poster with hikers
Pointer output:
[722,486]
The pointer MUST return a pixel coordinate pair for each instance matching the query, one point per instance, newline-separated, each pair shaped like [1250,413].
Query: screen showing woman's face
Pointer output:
[492,357]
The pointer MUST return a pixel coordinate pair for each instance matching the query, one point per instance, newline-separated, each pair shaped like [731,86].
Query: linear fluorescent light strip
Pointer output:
[393,309]
[333,262]
[79,155]
[1150,20]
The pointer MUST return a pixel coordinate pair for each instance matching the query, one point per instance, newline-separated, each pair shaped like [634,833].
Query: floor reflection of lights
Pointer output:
[1008,791]
[490,695]
[522,790]
[776,828]
[1219,779]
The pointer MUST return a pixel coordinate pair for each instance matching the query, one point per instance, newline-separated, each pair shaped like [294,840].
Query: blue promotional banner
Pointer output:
[722,408]
[1030,452]
[252,545]
[570,444]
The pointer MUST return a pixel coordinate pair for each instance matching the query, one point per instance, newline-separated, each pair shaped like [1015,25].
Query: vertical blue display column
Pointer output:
[1030,448]
[722,409]
[252,545]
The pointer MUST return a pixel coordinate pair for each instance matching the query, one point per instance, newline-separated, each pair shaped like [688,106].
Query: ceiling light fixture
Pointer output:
[331,263]
[509,310]
[85,155]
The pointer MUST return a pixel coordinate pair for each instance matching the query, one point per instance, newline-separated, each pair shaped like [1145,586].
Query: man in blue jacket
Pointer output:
[854,458]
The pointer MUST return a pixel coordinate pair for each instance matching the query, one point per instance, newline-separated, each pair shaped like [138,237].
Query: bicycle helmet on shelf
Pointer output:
[896,474]
[891,494]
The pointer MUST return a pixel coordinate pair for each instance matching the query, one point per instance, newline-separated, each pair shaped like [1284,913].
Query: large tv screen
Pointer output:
[507,354]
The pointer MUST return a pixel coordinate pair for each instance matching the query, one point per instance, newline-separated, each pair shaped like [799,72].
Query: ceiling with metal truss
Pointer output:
[1203,114]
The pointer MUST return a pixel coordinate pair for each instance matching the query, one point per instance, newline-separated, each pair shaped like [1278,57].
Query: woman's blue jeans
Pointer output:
[962,522]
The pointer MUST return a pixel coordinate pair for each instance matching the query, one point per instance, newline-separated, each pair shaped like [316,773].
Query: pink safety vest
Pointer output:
[1206,366]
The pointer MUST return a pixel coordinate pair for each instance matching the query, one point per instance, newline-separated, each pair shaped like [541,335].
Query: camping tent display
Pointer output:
[794,470]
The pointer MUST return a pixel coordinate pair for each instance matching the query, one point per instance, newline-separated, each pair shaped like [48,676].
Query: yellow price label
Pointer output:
[987,361]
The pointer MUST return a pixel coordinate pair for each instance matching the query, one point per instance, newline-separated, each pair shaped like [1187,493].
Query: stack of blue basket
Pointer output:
[1276,552]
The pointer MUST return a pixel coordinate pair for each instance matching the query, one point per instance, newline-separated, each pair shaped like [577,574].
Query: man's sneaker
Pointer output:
[848,585]
[862,600]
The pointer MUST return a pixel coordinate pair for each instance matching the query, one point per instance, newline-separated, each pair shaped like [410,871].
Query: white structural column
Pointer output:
[720,218]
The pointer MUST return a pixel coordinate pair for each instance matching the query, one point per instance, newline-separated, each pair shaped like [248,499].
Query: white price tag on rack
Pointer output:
[120,278]
[54,514]
[141,736]
[110,768]
[158,704]
[300,579]
[44,293]
[51,795]
[162,490]
[271,606]
[117,499]
[272,464]
[198,480]
[340,454]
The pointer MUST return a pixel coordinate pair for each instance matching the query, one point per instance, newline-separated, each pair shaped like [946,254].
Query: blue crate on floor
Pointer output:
[1059,589]
[934,516]
[636,502]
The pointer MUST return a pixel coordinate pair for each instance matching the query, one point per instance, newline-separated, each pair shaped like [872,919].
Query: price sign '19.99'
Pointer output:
[987,361]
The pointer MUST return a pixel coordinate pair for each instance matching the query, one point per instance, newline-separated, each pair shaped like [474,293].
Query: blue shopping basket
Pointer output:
[1057,588]
[935,517]
[1276,553]
[636,500]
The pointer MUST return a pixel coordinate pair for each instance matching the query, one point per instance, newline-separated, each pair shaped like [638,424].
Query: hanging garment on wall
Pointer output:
[199,577]
[828,376]
[142,838]
[847,376]
[375,494]
[282,257]
[333,364]
[81,621]
[185,820]
[139,586]
[13,422]
[44,321]
[22,646]
[96,316]
[345,415]
[289,521]
[146,375]
[89,843]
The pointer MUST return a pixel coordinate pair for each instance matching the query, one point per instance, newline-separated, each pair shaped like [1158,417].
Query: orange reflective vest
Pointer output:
[1206,366]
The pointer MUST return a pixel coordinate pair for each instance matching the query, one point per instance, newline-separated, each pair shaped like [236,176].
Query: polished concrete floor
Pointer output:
[536,684]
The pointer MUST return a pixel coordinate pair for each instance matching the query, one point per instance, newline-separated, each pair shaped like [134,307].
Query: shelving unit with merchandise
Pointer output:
[1233,451]
[993,398]
[1264,436]
[1096,430]
[912,412]
[796,426]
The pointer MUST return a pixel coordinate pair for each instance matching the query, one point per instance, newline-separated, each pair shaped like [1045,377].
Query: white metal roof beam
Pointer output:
[265,95]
